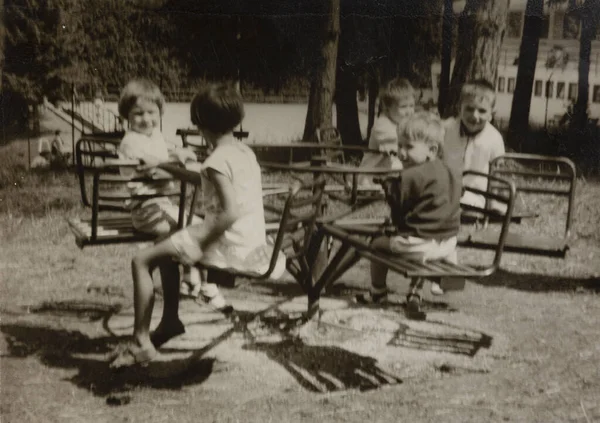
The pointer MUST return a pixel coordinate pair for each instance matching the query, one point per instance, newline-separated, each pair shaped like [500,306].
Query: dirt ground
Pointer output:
[540,362]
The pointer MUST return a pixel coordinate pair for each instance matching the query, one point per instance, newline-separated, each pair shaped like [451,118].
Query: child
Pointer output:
[233,228]
[471,142]
[58,147]
[424,202]
[142,104]
[396,102]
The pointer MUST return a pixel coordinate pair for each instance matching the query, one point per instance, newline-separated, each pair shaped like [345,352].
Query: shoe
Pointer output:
[164,332]
[413,307]
[372,298]
[436,289]
[189,290]
[215,303]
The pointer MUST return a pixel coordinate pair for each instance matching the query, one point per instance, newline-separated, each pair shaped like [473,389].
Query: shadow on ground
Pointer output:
[65,349]
[326,368]
[539,283]
[341,290]
[318,367]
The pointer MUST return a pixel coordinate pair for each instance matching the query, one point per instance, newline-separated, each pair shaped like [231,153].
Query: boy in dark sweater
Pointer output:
[424,202]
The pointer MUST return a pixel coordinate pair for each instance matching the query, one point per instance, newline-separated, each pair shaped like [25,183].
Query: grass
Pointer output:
[547,309]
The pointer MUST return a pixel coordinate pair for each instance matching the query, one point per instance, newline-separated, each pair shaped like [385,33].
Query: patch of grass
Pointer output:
[34,192]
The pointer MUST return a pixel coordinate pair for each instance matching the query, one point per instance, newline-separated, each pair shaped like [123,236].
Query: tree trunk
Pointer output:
[481,29]
[346,107]
[521,103]
[583,144]
[589,25]
[2,35]
[447,25]
[373,93]
[322,86]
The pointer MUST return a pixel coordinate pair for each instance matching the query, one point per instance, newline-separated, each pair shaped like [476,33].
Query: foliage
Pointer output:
[38,45]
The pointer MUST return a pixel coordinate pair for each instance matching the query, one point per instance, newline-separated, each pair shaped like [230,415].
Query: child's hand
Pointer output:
[390,149]
[147,164]
[184,155]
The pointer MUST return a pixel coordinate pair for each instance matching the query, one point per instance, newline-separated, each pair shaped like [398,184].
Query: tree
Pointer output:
[38,45]
[1,41]
[480,35]
[322,86]
[447,31]
[590,18]
[518,125]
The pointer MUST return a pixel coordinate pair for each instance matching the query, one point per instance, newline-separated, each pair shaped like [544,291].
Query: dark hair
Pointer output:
[218,108]
[136,89]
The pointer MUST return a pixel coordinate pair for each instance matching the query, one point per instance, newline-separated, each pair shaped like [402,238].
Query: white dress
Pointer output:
[237,162]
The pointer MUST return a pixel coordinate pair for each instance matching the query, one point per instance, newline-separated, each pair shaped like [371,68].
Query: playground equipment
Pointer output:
[340,220]
[354,239]
[550,178]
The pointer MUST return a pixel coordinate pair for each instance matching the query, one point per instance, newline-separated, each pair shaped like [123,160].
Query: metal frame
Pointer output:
[353,247]
[570,176]
[87,232]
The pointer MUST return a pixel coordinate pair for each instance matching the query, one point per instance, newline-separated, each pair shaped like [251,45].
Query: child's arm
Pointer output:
[182,155]
[205,233]
[385,140]
[497,149]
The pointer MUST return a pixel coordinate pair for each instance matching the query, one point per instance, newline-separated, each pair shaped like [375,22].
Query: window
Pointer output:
[549,88]
[511,85]
[560,90]
[501,84]
[514,24]
[596,94]
[573,91]
[537,88]
[570,26]
[545,30]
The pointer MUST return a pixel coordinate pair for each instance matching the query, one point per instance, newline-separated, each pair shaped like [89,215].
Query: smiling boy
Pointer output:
[471,141]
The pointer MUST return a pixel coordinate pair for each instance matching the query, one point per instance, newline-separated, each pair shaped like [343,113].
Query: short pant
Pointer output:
[419,249]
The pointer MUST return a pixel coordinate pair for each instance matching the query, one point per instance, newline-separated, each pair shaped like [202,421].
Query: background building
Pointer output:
[555,88]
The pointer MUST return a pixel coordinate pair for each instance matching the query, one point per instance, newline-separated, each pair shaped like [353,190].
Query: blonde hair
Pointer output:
[478,89]
[393,92]
[136,89]
[424,126]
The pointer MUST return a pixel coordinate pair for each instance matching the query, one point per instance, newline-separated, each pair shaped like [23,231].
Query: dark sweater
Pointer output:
[425,201]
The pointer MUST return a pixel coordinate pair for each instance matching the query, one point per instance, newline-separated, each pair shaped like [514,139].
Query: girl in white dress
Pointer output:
[234,226]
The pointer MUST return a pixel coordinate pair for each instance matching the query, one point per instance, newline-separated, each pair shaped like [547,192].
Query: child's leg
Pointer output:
[210,294]
[143,289]
[191,281]
[378,291]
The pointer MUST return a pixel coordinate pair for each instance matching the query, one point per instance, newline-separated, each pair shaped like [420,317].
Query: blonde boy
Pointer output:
[471,141]
[424,203]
